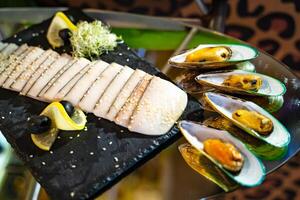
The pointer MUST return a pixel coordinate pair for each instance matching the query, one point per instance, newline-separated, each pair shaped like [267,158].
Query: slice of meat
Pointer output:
[63,91]
[65,78]
[112,91]
[11,47]
[38,73]
[80,88]
[18,69]
[124,94]
[26,75]
[159,108]
[20,50]
[7,59]
[123,116]
[93,94]
[2,46]
[45,77]
[57,75]
[12,64]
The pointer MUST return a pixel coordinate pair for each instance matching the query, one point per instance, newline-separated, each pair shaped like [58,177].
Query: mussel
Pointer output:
[254,120]
[228,153]
[204,166]
[225,153]
[214,56]
[259,147]
[209,54]
[242,82]
[229,106]
[246,82]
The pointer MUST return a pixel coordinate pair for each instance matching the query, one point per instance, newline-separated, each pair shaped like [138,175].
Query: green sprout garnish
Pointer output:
[92,39]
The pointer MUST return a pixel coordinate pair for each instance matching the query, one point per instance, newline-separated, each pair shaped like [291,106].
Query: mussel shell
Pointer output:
[259,147]
[187,82]
[270,86]
[226,105]
[245,66]
[271,104]
[204,166]
[240,53]
[252,172]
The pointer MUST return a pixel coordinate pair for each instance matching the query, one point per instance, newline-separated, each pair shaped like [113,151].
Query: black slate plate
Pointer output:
[82,164]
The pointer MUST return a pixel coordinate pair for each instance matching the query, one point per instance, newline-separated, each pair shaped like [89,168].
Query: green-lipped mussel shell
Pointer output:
[204,166]
[252,172]
[240,53]
[259,147]
[271,104]
[187,82]
[270,86]
[225,105]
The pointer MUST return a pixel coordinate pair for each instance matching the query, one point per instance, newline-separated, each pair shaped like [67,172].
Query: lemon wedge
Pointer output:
[59,22]
[61,120]
[45,140]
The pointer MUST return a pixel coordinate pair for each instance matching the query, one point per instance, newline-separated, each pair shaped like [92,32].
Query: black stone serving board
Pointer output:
[82,164]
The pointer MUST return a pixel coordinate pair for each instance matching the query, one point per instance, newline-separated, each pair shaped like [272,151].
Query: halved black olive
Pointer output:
[69,108]
[65,35]
[39,124]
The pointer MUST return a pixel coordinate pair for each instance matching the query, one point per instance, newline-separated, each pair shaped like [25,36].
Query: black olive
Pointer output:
[39,124]
[69,108]
[65,34]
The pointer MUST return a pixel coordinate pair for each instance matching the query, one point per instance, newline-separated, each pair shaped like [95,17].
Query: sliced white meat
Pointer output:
[11,47]
[96,90]
[66,77]
[45,77]
[14,54]
[39,72]
[12,63]
[159,108]
[7,59]
[56,76]
[112,91]
[18,69]
[123,116]
[26,75]
[124,94]
[2,46]
[62,93]
[80,88]
[20,50]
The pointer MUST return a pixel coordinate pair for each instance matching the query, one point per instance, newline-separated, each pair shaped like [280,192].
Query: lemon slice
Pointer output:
[61,120]
[45,140]
[59,22]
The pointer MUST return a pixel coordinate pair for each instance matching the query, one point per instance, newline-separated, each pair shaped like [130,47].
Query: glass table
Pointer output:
[166,176]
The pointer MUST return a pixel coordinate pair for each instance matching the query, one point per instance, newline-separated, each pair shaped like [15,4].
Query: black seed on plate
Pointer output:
[68,107]
[39,124]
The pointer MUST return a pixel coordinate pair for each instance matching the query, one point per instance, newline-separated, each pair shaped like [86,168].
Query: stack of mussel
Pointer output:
[238,130]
